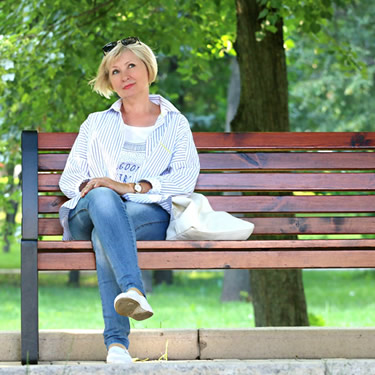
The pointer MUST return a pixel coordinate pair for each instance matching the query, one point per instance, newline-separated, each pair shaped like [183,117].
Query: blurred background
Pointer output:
[50,49]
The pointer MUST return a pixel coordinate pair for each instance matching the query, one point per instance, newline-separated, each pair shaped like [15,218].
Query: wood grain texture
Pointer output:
[149,246]
[275,161]
[272,225]
[220,260]
[244,182]
[248,141]
[264,204]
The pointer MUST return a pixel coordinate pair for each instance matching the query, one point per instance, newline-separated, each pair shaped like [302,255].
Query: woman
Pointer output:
[124,167]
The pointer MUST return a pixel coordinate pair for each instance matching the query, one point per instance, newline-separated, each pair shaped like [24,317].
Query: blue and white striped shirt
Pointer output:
[171,164]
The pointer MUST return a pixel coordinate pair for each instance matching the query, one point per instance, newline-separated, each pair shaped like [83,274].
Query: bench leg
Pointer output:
[29,302]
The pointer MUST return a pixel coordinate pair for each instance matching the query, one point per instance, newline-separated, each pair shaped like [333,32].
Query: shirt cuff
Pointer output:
[155,183]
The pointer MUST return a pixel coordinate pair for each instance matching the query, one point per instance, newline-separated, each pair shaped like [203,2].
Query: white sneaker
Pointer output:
[118,355]
[133,305]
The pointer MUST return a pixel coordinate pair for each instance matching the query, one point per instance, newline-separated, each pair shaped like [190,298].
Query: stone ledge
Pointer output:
[190,344]
[88,345]
[287,342]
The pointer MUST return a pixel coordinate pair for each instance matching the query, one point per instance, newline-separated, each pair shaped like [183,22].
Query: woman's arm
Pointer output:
[76,169]
[181,176]
[120,188]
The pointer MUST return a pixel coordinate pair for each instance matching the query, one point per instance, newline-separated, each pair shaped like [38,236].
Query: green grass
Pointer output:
[341,298]
[335,299]
[12,259]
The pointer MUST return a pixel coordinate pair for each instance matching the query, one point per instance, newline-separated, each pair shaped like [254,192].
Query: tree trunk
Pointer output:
[278,295]
[236,286]
[234,281]
[163,276]
[147,280]
[264,86]
[278,298]
[74,278]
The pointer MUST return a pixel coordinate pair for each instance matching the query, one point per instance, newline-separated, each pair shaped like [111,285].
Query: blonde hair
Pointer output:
[101,83]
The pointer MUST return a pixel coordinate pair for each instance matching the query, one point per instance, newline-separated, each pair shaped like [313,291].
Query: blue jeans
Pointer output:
[113,225]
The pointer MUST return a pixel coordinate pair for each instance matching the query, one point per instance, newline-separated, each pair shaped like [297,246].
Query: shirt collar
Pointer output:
[165,105]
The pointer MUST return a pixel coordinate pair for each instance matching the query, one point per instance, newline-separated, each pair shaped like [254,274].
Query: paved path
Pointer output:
[217,367]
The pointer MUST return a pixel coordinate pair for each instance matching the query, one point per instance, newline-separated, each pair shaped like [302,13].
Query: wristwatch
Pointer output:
[138,187]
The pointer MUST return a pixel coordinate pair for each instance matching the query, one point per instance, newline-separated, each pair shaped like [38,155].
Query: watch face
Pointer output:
[137,188]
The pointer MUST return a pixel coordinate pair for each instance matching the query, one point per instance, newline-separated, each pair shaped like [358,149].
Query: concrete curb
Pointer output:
[287,343]
[203,344]
[88,345]
[261,367]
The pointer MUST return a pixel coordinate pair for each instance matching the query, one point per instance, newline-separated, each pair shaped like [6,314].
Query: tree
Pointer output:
[326,93]
[278,296]
[50,49]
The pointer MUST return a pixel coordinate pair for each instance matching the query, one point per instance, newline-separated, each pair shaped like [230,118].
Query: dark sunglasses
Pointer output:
[110,46]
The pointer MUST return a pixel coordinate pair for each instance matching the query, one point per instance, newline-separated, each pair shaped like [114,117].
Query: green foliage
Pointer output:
[317,20]
[51,49]
[328,93]
[316,320]
[303,16]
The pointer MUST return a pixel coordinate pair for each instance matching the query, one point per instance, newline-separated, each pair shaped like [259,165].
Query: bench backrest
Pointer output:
[285,183]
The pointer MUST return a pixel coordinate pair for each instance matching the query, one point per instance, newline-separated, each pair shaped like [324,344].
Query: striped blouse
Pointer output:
[171,164]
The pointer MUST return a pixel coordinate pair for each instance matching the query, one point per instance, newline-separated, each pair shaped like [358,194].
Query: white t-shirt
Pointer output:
[133,152]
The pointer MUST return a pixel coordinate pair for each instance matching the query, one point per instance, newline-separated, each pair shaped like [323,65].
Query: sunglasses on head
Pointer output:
[110,46]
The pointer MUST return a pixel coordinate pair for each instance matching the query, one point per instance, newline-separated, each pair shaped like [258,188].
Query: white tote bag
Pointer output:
[193,218]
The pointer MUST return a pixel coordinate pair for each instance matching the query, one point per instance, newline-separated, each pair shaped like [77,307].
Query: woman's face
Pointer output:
[128,75]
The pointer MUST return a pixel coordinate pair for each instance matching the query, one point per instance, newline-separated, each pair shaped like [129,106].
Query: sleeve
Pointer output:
[182,173]
[76,168]
[181,176]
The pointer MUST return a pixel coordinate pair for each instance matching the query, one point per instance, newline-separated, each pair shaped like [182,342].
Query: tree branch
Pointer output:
[90,11]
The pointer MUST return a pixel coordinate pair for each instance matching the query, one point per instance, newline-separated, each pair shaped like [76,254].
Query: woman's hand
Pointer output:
[119,187]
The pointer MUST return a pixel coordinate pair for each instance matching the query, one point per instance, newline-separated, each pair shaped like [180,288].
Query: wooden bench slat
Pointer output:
[285,141]
[284,161]
[247,141]
[263,204]
[313,225]
[56,141]
[221,245]
[262,182]
[52,162]
[48,204]
[223,260]
[257,161]
[286,182]
[272,225]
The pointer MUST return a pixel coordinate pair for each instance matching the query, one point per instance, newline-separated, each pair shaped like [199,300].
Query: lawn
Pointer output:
[335,299]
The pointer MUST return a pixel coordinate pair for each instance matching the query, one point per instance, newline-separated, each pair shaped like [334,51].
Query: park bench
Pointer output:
[299,188]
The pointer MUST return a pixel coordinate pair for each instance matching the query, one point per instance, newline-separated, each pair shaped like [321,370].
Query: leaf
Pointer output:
[272,29]
[289,44]
[263,13]
[315,27]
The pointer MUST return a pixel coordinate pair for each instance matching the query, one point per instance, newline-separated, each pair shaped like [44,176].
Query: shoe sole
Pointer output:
[131,308]
[119,361]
